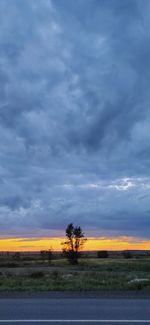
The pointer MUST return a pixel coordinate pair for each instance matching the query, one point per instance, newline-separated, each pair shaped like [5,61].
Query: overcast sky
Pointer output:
[75,117]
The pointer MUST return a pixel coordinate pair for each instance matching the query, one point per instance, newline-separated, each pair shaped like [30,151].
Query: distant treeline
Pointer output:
[50,254]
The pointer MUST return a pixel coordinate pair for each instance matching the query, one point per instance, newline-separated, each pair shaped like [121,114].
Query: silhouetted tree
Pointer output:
[127,254]
[17,256]
[50,255]
[43,255]
[74,243]
[47,255]
[102,254]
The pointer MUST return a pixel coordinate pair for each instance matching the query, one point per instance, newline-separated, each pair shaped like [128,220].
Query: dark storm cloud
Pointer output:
[74,116]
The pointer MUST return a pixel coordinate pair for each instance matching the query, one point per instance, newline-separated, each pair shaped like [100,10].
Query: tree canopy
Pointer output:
[75,240]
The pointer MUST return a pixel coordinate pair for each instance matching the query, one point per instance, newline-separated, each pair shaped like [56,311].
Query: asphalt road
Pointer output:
[77,310]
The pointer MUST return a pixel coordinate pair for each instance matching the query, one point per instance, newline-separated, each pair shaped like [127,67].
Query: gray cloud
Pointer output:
[74,117]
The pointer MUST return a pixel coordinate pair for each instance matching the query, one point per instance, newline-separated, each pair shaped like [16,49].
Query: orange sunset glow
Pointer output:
[37,244]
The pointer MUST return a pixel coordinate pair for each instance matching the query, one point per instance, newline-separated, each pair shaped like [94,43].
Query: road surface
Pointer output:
[74,310]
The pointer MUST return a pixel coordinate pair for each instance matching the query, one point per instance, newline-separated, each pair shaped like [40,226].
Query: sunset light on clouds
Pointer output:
[35,244]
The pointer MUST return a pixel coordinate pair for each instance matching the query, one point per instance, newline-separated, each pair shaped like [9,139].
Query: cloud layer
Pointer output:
[74,117]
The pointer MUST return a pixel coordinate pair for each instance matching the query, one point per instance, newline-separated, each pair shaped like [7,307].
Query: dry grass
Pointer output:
[90,274]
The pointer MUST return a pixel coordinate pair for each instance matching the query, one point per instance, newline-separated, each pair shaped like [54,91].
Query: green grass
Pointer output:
[90,274]
[117,264]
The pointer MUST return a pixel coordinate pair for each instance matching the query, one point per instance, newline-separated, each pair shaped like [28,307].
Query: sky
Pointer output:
[75,120]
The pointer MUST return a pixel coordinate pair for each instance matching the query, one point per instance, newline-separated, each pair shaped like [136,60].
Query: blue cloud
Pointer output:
[74,116]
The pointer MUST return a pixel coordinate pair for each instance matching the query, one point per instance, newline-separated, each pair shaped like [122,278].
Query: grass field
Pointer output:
[90,274]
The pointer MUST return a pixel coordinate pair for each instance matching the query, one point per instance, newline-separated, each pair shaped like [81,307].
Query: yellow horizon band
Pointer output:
[38,244]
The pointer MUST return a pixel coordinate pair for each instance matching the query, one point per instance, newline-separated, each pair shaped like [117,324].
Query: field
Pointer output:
[94,274]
